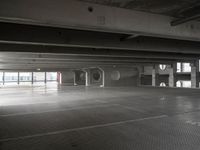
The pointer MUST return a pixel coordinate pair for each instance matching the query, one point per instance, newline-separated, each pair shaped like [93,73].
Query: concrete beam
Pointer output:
[37,36]
[76,15]
[44,52]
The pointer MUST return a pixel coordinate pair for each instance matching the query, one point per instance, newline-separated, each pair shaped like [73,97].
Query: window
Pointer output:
[179,67]
[186,67]
[186,84]
[162,66]
[1,76]
[11,76]
[25,76]
[38,76]
[183,67]
[51,76]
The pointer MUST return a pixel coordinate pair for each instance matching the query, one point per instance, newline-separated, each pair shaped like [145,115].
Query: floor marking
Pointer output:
[57,110]
[81,128]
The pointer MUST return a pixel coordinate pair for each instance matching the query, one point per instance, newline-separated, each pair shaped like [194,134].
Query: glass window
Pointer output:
[11,76]
[51,76]
[186,84]
[39,76]
[183,67]
[179,67]
[25,76]
[186,67]
[178,84]
[1,76]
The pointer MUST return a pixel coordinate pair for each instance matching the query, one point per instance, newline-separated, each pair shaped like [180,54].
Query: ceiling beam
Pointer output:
[184,20]
[97,54]
[190,13]
[76,15]
[15,34]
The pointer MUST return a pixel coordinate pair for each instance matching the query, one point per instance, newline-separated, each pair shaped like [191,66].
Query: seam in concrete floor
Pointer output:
[58,110]
[82,128]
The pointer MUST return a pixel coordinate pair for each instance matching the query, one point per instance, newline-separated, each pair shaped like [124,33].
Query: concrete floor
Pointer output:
[81,118]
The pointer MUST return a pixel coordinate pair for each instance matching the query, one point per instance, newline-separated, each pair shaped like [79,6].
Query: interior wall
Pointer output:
[120,76]
[80,77]
[146,80]
[94,82]
[68,77]
[163,76]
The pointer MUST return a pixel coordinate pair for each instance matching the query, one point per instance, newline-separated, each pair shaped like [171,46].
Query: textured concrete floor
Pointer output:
[80,118]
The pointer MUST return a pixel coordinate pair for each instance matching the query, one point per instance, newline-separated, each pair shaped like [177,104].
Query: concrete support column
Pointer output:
[18,78]
[140,73]
[88,77]
[3,78]
[172,75]
[32,78]
[155,76]
[103,78]
[45,77]
[195,74]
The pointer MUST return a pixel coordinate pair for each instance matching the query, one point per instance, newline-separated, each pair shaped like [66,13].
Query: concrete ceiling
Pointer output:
[166,7]
[71,34]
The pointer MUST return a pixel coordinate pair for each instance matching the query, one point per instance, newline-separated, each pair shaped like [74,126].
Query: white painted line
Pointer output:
[81,128]
[57,110]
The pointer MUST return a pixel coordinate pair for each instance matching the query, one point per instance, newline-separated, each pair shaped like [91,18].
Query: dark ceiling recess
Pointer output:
[188,14]
[166,7]
[183,10]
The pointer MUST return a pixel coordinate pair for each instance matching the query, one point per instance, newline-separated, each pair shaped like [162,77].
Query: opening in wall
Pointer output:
[162,66]
[27,78]
[183,67]
[163,84]
[11,78]
[181,83]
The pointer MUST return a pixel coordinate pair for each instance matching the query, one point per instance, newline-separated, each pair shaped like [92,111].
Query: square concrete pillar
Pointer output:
[87,82]
[195,74]
[172,75]
[155,76]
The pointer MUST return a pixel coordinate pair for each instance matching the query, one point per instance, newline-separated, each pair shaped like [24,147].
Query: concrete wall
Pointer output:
[93,81]
[162,76]
[146,80]
[120,76]
[67,77]
[80,77]
[148,70]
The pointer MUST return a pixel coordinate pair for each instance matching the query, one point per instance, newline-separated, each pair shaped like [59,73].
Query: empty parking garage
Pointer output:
[99,75]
